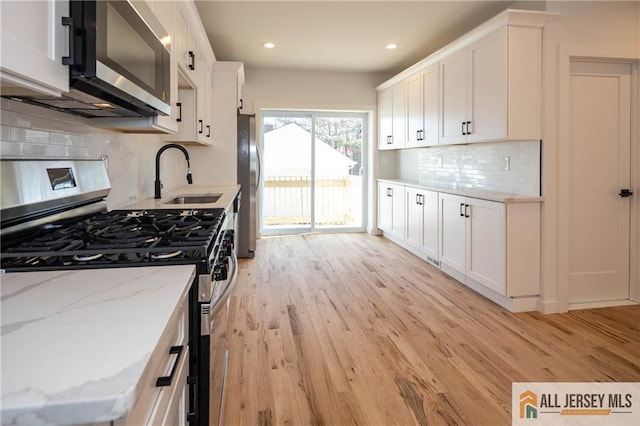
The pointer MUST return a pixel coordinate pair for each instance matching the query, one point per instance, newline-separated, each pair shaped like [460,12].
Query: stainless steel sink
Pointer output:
[194,199]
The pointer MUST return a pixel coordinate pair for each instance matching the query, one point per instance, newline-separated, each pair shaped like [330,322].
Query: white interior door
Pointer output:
[600,167]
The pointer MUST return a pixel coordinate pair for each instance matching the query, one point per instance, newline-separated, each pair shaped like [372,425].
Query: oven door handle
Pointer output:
[231,282]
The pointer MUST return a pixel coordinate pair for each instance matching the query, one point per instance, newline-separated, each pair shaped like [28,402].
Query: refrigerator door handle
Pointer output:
[258,166]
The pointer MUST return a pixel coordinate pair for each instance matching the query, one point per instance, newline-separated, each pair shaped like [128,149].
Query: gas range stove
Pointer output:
[115,239]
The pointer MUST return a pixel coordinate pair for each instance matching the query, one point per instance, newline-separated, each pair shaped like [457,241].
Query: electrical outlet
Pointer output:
[506,163]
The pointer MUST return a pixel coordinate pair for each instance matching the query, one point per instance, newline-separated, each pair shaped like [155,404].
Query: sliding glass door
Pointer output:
[313,171]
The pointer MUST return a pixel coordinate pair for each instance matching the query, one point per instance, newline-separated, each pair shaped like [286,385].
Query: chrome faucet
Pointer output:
[160,151]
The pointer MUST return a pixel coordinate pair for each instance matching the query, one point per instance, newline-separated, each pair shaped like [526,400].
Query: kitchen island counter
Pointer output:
[76,345]
[227,195]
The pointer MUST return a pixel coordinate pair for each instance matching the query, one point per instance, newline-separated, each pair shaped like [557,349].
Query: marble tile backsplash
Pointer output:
[31,132]
[509,167]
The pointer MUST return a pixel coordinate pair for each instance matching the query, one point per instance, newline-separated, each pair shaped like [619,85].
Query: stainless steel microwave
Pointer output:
[119,62]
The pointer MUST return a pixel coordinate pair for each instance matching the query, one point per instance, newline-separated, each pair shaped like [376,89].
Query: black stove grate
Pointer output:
[119,237]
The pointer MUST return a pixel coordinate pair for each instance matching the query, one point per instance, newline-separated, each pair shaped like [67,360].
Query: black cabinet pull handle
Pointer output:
[166,380]
[624,193]
[466,210]
[241,103]
[192,60]
[201,124]
[468,131]
[463,132]
[389,192]
[461,212]
[68,22]
[208,131]
[179,117]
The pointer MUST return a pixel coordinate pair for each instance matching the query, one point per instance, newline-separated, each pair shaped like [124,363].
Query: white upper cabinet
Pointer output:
[488,86]
[194,77]
[33,44]
[385,118]
[392,117]
[165,11]
[422,108]
[415,124]
[490,91]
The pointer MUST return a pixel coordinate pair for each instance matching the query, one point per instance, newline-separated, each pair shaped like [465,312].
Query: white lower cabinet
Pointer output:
[164,398]
[421,231]
[391,209]
[472,238]
[491,244]
[453,252]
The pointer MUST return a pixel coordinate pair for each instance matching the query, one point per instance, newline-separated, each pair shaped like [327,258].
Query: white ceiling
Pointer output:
[338,35]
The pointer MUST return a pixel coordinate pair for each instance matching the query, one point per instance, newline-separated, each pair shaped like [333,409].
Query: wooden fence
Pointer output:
[287,201]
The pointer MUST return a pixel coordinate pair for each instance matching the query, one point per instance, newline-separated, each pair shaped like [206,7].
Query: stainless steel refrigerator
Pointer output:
[249,180]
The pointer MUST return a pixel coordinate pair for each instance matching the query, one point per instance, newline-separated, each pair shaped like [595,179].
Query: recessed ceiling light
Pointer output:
[391,46]
[269,45]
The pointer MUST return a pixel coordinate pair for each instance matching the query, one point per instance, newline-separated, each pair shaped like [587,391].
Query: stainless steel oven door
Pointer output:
[221,292]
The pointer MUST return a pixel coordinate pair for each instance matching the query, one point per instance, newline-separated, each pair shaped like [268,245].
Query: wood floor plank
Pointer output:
[350,329]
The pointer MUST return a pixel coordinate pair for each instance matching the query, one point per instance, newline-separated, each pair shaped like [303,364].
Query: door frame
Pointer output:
[312,113]
[565,57]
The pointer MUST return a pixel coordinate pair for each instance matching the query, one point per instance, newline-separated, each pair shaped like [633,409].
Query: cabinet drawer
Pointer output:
[169,357]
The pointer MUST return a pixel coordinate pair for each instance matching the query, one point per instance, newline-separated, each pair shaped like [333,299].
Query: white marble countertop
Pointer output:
[228,195]
[75,344]
[474,193]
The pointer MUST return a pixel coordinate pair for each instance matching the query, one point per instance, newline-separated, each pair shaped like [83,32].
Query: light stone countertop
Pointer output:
[228,195]
[76,344]
[474,193]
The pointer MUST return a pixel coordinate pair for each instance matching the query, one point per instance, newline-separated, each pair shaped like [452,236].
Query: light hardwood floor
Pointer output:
[351,329]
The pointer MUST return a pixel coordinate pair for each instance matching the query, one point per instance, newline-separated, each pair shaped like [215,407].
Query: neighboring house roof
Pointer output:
[287,152]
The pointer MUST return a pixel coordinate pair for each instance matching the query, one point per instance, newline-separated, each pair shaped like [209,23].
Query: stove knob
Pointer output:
[222,258]
[220,272]
[226,248]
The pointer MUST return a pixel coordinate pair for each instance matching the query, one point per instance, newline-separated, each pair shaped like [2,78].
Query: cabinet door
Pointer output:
[399,121]
[182,37]
[486,244]
[166,13]
[203,74]
[430,97]
[430,224]
[385,119]
[208,105]
[385,206]
[174,413]
[453,98]
[487,88]
[33,44]
[415,126]
[453,232]
[397,211]
[415,218]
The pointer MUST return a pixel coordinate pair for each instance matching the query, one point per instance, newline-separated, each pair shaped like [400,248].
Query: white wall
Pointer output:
[604,29]
[31,132]
[268,88]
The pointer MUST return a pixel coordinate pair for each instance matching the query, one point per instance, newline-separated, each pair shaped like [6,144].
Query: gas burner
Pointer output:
[166,255]
[87,258]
